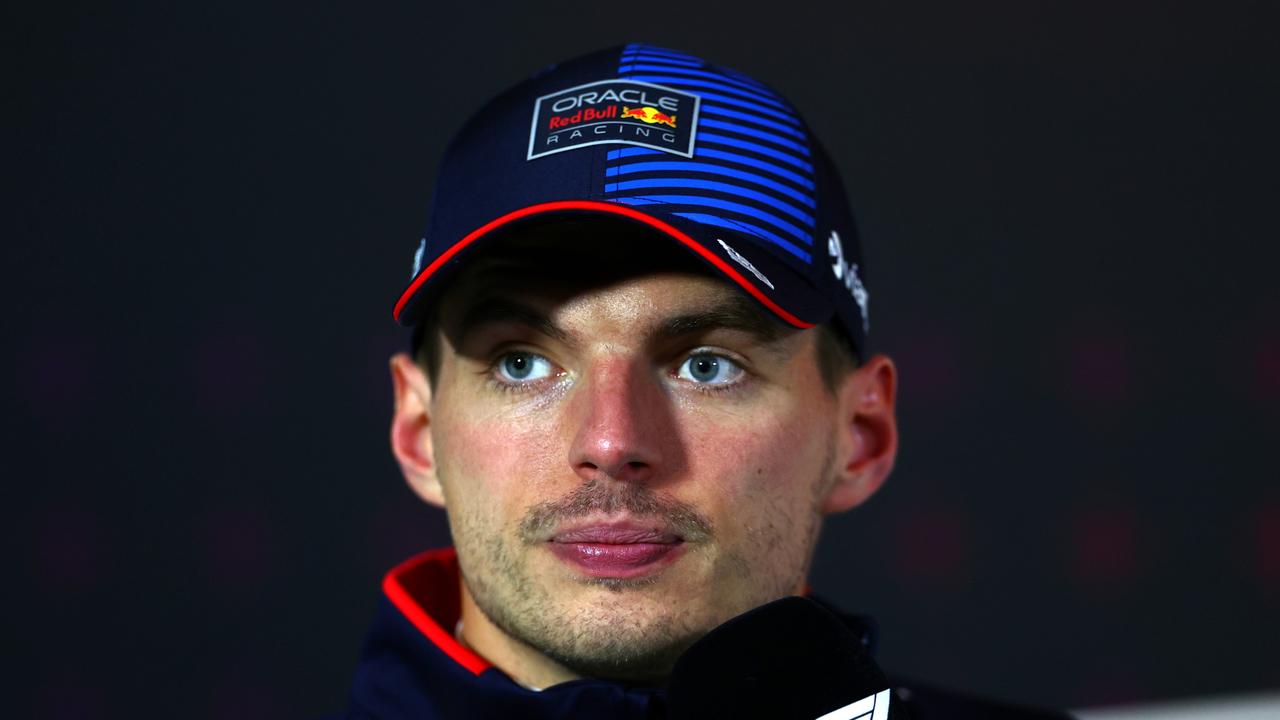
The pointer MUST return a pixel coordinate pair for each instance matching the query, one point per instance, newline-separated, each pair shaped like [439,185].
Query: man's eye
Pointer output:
[520,367]
[709,369]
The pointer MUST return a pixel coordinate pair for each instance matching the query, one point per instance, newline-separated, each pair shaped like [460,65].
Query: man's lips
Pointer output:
[616,550]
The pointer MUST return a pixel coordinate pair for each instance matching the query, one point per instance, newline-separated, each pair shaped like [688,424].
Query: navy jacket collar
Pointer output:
[412,667]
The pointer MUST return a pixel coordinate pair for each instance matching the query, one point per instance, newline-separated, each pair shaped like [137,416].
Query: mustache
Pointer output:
[610,498]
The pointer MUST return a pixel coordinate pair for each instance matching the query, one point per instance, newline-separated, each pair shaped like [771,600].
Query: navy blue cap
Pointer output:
[706,156]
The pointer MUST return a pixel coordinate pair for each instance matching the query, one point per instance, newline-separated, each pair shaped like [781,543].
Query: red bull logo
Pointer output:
[650,115]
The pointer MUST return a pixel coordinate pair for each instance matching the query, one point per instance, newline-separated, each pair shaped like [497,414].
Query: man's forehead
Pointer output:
[665,302]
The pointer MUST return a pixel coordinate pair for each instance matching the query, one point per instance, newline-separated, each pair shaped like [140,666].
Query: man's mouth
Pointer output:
[621,549]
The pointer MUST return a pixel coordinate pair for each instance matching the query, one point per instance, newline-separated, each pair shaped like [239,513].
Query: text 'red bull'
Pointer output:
[584,115]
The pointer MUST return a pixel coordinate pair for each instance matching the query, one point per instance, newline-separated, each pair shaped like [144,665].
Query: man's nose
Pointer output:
[619,418]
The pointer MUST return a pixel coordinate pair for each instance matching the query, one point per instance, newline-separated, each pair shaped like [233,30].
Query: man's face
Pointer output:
[626,461]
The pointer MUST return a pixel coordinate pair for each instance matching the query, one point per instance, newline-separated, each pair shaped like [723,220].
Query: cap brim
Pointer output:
[780,289]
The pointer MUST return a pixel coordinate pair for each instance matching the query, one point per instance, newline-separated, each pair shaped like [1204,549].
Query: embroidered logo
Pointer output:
[848,274]
[624,112]
[738,258]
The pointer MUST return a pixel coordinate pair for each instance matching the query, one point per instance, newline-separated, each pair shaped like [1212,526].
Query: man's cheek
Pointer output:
[499,460]
[743,454]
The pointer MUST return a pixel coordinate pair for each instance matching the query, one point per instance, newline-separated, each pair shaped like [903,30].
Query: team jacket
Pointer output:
[794,658]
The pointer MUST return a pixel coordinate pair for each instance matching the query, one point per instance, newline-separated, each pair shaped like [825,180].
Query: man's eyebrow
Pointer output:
[493,310]
[735,314]
[730,314]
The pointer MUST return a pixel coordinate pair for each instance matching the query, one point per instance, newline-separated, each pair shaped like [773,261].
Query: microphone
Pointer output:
[791,658]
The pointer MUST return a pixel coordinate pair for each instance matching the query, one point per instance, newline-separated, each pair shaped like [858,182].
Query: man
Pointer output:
[640,379]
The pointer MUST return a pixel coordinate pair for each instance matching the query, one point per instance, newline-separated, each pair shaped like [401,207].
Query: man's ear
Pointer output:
[411,429]
[867,440]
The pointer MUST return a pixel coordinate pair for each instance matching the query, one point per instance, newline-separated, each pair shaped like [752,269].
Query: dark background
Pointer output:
[1069,215]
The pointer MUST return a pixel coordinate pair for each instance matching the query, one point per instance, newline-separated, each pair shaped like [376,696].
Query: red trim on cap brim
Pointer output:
[604,207]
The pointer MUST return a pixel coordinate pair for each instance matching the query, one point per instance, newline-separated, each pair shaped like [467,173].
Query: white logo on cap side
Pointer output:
[738,258]
[417,257]
[848,274]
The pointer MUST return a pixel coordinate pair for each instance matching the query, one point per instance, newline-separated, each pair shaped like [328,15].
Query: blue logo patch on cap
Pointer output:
[621,112]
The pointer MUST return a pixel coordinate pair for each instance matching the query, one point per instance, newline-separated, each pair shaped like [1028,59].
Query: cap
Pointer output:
[706,156]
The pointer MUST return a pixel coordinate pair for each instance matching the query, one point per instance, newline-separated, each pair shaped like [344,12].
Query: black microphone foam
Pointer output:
[791,658]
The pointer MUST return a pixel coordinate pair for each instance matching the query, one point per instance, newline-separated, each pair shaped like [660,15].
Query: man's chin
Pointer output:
[623,626]
[620,629]
[612,648]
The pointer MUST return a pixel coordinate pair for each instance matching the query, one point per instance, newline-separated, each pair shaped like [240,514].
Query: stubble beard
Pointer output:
[614,636]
